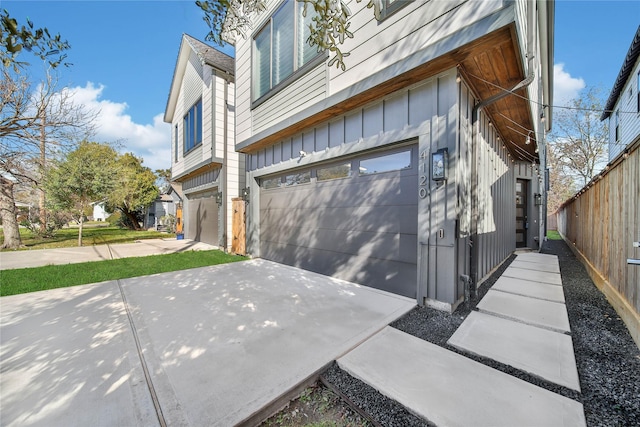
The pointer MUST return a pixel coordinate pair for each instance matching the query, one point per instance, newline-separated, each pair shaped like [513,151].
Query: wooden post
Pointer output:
[238,227]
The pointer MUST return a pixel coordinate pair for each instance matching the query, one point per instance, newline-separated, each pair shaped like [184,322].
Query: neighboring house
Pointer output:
[415,169]
[623,106]
[165,204]
[99,212]
[204,162]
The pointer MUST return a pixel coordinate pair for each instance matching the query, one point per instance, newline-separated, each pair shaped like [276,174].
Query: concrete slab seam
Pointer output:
[525,295]
[143,362]
[513,319]
[506,274]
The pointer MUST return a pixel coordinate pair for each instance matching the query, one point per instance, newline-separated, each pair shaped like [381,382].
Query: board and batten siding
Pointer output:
[495,196]
[600,225]
[395,118]
[426,112]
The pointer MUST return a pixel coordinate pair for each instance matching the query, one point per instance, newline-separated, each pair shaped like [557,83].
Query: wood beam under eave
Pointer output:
[416,75]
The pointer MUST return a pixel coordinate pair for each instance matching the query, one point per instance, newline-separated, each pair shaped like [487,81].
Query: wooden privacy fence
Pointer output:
[600,224]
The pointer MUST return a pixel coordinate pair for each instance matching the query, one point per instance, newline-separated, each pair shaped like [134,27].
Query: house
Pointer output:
[623,106]
[165,204]
[417,169]
[201,110]
[99,211]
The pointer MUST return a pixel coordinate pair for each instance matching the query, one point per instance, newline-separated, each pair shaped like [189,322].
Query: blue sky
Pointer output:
[124,53]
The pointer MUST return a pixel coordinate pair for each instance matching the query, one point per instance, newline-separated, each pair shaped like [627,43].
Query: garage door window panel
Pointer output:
[297,178]
[386,163]
[334,172]
[270,183]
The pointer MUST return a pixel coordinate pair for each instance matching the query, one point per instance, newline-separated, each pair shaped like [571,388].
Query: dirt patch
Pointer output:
[318,407]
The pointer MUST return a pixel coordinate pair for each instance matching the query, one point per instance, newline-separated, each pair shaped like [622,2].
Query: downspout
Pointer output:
[224,165]
[474,158]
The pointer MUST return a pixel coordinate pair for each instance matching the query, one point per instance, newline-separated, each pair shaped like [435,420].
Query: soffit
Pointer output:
[492,58]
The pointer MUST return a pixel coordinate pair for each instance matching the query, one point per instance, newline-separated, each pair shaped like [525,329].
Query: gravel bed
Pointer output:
[385,411]
[607,358]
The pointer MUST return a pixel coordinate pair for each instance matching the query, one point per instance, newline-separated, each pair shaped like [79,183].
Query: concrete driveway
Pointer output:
[207,346]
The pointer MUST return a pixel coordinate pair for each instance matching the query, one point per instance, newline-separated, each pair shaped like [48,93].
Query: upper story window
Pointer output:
[280,47]
[175,142]
[617,125]
[391,6]
[192,127]
[638,91]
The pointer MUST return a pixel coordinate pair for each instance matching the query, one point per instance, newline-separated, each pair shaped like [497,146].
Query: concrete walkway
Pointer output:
[520,323]
[208,346]
[41,257]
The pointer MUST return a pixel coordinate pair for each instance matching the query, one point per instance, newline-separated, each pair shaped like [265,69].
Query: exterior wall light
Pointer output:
[537,199]
[439,164]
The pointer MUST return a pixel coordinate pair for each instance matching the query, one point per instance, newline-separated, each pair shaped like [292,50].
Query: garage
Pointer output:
[354,219]
[201,218]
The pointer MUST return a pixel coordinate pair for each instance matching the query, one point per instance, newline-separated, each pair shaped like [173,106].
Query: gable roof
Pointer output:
[623,76]
[210,55]
[207,54]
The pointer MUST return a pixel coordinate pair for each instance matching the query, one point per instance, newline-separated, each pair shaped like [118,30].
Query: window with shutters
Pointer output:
[280,48]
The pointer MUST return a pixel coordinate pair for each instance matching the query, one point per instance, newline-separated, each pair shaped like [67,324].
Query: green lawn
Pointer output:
[23,280]
[98,233]
[553,235]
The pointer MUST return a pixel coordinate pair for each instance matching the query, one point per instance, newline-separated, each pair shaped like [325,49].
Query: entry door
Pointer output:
[521,213]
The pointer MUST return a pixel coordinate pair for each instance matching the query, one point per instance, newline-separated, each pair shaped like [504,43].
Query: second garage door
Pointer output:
[354,219]
[201,220]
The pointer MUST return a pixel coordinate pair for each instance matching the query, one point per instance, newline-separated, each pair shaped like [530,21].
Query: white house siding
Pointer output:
[627,105]
[243,89]
[301,93]
[213,166]
[195,84]
[377,45]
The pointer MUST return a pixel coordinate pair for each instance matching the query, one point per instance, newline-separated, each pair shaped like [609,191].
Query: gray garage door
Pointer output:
[354,219]
[201,220]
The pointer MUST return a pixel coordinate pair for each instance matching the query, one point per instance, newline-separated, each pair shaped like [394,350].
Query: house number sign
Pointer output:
[424,173]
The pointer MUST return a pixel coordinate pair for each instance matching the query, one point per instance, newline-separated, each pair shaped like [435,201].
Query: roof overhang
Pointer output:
[178,75]
[488,63]
[623,75]
[186,48]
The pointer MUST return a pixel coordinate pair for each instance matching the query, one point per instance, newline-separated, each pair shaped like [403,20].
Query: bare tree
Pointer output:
[561,185]
[36,124]
[579,138]
[17,114]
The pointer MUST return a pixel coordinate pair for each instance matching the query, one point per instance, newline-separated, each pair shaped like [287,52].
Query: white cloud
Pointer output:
[150,141]
[565,87]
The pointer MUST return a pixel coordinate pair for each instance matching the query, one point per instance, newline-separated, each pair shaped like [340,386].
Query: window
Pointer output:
[617,125]
[389,162]
[389,7]
[175,142]
[334,172]
[271,183]
[638,91]
[192,127]
[297,178]
[281,48]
